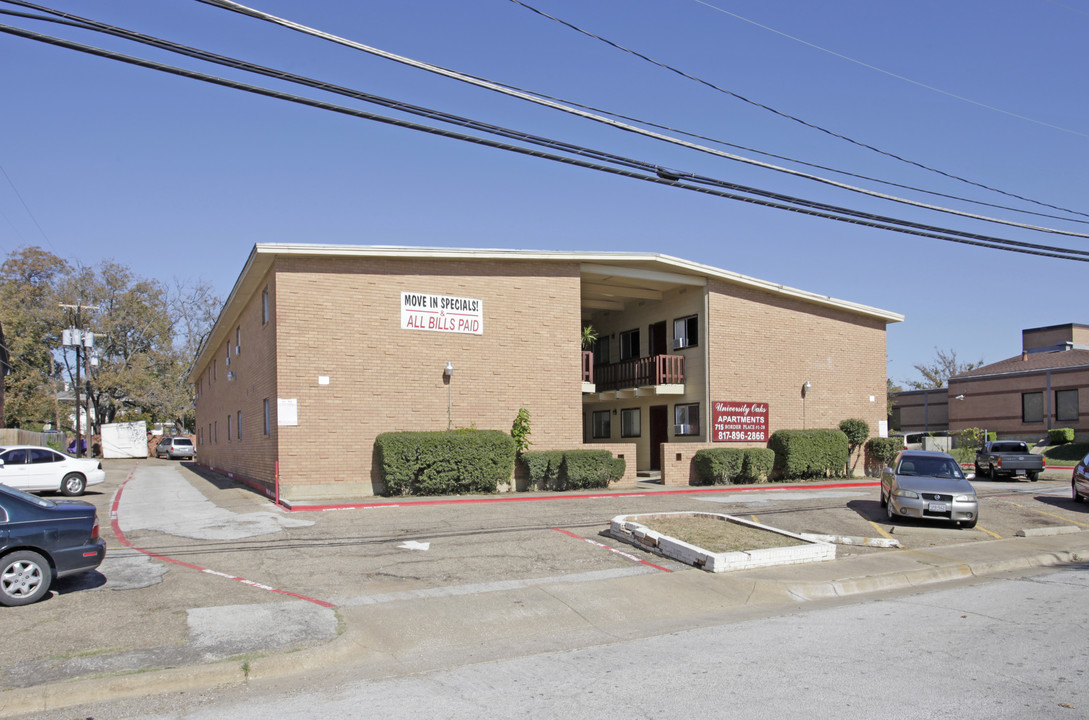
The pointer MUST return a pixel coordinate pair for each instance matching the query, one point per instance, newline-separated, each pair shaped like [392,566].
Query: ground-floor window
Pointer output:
[1066,405]
[267,425]
[238,426]
[686,419]
[629,423]
[602,425]
[1032,407]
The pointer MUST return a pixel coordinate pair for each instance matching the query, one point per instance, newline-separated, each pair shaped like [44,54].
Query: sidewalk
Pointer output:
[424,634]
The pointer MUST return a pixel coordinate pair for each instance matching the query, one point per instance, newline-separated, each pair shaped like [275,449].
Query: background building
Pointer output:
[1026,395]
[319,349]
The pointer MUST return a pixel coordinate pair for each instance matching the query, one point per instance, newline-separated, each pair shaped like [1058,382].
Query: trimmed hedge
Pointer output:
[454,462]
[572,469]
[719,466]
[804,454]
[1060,436]
[881,451]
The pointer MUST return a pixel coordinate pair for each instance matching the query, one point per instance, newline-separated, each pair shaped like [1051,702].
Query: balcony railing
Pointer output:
[642,372]
[587,366]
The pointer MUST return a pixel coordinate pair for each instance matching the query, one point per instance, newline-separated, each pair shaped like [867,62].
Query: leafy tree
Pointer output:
[33,321]
[937,372]
[857,432]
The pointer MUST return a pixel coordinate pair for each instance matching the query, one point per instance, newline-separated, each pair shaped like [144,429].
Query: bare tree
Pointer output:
[937,372]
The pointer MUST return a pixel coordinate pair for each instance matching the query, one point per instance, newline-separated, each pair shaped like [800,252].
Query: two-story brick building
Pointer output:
[320,348]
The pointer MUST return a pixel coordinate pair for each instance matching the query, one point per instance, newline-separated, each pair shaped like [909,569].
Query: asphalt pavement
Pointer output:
[207,583]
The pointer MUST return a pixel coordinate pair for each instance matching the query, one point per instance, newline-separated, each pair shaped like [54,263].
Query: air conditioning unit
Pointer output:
[679,343]
[682,429]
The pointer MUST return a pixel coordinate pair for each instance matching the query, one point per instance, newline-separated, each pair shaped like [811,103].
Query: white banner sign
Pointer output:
[442,313]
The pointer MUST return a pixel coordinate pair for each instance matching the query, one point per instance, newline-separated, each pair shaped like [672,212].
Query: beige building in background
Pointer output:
[321,348]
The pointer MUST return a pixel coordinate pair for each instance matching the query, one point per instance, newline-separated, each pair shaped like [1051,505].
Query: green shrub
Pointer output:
[804,454]
[856,430]
[880,452]
[445,463]
[572,469]
[717,466]
[1060,436]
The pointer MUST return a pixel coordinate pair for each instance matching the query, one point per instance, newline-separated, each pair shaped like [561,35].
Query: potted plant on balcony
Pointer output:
[589,337]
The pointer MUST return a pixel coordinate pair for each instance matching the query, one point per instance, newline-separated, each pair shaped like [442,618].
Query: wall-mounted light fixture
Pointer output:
[449,371]
[806,387]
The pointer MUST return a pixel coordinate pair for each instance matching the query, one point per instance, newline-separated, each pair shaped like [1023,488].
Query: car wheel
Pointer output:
[991,473]
[889,510]
[1074,491]
[1033,476]
[73,484]
[978,471]
[25,577]
[884,502]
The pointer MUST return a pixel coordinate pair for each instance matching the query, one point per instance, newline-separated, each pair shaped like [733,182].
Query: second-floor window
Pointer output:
[686,332]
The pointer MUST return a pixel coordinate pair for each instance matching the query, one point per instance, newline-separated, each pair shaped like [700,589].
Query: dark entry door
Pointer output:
[658,338]
[659,433]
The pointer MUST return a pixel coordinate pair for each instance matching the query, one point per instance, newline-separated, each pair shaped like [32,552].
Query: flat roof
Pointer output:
[263,255]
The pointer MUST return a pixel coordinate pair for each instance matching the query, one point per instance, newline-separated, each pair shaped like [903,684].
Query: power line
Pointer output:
[868,66]
[626,166]
[488,84]
[765,107]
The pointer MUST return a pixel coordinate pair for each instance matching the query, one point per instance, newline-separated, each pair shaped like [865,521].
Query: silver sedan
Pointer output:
[929,486]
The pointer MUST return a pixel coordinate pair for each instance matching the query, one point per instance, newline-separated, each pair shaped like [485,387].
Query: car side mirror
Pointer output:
[970,476]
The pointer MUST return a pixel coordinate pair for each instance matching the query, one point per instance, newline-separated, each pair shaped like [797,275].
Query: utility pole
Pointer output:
[75,337]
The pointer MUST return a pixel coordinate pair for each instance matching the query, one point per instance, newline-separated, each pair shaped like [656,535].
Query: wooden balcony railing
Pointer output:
[642,372]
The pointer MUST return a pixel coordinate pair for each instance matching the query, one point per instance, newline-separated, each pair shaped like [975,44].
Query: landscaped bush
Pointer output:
[717,466]
[1059,436]
[804,454]
[880,452]
[572,469]
[445,463]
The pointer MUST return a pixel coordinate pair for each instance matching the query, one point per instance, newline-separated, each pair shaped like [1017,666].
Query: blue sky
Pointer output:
[178,179]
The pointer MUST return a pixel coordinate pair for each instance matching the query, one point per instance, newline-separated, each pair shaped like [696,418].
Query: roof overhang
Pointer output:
[623,274]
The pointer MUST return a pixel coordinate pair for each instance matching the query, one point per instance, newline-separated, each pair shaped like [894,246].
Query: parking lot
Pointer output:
[209,569]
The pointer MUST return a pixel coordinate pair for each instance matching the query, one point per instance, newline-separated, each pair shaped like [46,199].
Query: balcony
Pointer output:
[658,374]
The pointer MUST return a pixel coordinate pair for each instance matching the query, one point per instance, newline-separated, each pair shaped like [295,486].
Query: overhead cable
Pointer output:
[627,167]
[770,109]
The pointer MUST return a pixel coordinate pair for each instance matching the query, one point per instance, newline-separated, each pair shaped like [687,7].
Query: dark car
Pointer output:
[1079,481]
[42,540]
[931,486]
[176,447]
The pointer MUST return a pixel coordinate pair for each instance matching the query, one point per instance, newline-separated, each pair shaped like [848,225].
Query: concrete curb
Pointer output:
[390,640]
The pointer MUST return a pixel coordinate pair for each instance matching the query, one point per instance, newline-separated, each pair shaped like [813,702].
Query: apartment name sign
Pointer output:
[442,313]
[739,422]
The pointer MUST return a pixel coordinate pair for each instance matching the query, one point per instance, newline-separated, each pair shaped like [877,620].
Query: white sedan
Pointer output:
[32,468]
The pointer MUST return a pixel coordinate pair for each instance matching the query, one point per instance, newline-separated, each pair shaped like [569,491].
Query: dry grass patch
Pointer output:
[716,535]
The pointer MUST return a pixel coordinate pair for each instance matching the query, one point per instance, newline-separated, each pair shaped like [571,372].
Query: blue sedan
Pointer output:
[41,540]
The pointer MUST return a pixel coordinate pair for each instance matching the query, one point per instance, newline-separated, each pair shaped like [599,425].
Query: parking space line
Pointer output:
[879,529]
[1041,512]
[621,553]
[995,535]
[754,519]
[116,526]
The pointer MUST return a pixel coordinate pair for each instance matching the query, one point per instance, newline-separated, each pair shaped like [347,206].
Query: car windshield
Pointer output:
[930,467]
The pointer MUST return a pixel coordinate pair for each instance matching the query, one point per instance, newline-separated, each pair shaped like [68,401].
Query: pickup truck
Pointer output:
[1008,457]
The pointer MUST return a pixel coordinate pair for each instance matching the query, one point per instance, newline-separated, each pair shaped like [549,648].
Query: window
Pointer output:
[629,423]
[1066,405]
[238,426]
[238,341]
[629,344]
[228,353]
[215,369]
[215,431]
[602,427]
[228,428]
[686,332]
[1032,407]
[267,425]
[264,306]
[686,419]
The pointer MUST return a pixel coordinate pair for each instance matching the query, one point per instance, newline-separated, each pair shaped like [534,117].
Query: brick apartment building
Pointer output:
[320,348]
[1045,387]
